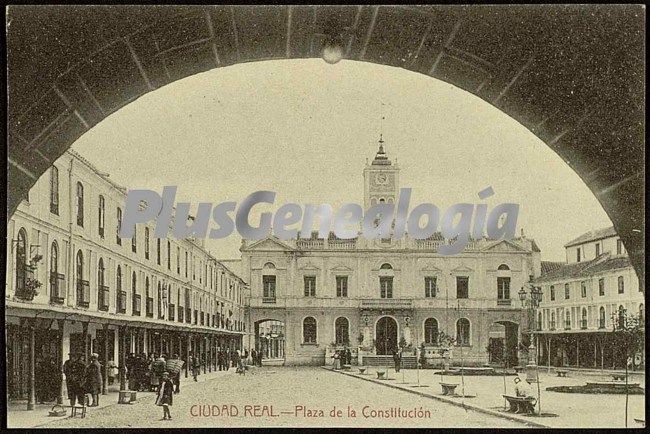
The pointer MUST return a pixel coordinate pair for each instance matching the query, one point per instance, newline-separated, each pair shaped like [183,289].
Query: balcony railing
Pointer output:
[394,303]
[270,300]
[310,243]
[102,300]
[57,288]
[552,325]
[172,312]
[121,302]
[504,302]
[150,307]
[137,305]
[583,324]
[83,293]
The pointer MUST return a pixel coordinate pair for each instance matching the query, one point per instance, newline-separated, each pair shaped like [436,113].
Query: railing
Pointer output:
[102,300]
[121,302]
[270,300]
[395,303]
[137,308]
[310,244]
[57,288]
[149,307]
[342,244]
[172,312]
[504,302]
[429,244]
[83,293]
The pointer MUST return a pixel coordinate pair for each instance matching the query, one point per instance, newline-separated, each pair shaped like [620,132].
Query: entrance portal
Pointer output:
[386,335]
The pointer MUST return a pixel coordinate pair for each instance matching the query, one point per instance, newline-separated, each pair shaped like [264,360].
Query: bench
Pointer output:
[519,369]
[449,388]
[78,410]
[381,375]
[618,377]
[561,372]
[521,404]
[347,367]
[125,396]
[362,370]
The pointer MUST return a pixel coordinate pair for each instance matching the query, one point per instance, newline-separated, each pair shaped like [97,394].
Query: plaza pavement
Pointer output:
[284,388]
[570,410]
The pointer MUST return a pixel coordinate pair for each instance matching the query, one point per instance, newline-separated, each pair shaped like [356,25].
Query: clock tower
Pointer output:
[380,179]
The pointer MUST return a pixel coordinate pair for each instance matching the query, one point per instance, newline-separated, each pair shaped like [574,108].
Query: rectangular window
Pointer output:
[386,286]
[462,287]
[169,255]
[178,260]
[146,243]
[503,288]
[567,291]
[118,239]
[601,287]
[101,218]
[80,204]
[552,293]
[158,251]
[268,287]
[310,286]
[583,289]
[186,262]
[341,286]
[621,285]
[54,190]
[430,286]
[619,247]
[597,249]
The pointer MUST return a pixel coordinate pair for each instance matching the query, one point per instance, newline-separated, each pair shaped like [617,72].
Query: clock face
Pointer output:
[381,178]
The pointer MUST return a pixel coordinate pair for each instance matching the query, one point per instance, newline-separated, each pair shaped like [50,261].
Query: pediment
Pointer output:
[341,268]
[308,266]
[462,269]
[270,244]
[504,246]
[431,269]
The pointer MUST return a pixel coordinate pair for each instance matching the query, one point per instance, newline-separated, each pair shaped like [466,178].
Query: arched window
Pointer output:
[102,215]
[21,261]
[100,272]
[386,267]
[56,291]
[80,204]
[102,289]
[386,281]
[462,332]
[584,318]
[621,317]
[601,317]
[118,239]
[309,330]
[431,331]
[341,331]
[621,285]
[54,190]
[503,267]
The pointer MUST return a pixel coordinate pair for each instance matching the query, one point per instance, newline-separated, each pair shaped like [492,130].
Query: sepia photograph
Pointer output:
[325,216]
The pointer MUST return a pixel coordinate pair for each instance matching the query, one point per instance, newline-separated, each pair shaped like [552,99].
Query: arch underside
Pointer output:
[572,75]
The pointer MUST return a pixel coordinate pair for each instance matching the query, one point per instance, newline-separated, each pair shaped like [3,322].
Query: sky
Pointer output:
[304,129]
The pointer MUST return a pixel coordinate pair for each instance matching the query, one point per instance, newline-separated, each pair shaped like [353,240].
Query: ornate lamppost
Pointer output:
[531,300]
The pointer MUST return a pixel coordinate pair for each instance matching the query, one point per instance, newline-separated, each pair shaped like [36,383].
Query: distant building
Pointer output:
[374,294]
[581,298]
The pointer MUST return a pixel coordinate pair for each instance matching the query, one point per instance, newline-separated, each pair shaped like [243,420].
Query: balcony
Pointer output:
[137,304]
[388,303]
[504,302]
[83,293]
[149,307]
[270,300]
[57,288]
[102,300]
[172,312]
[121,302]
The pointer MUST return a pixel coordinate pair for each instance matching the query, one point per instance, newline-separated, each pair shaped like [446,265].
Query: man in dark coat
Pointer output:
[74,370]
[94,379]
[254,356]
[348,356]
[397,358]
[165,395]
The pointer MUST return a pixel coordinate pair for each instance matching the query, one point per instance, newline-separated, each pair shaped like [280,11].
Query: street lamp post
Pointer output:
[530,300]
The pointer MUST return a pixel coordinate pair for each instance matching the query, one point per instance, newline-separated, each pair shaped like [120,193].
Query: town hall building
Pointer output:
[379,295]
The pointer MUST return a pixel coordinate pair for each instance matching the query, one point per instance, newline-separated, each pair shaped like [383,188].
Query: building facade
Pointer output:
[385,294]
[73,285]
[582,299]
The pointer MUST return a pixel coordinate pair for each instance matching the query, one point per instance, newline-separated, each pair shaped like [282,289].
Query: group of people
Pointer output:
[145,372]
[342,357]
[82,379]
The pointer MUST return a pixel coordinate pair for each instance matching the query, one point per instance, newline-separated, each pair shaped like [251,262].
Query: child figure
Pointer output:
[165,395]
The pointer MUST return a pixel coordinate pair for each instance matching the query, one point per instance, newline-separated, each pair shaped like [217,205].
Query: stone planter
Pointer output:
[381,375]
[362,370]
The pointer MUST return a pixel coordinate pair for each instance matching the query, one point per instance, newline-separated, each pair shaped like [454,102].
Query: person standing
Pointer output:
[348,356]
[112,372]
[165,395]
[195,364]
[254,357]
[94,379]
[397,358]
[74,371]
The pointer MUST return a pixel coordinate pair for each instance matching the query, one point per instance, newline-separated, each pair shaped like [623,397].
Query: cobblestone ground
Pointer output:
[281,390]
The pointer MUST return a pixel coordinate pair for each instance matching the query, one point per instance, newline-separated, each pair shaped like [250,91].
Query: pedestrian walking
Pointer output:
[195,364]
[165,395]
[94,379]
[174,366]
[348,356]
[74,370]
[112,371]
